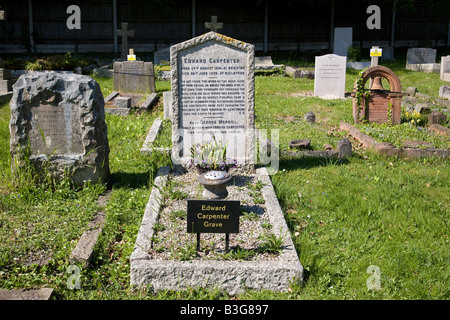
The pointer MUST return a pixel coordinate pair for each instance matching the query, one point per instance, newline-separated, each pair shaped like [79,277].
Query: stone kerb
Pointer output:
[213,46]
[388,149]
[60,118]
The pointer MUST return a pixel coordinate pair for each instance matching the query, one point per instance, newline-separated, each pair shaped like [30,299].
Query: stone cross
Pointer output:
[124,33]
[214,25]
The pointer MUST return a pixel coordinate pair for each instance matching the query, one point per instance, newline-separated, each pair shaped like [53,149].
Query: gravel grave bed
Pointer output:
[170,240]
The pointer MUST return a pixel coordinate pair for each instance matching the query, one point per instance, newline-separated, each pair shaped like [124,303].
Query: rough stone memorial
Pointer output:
[60,118]
[213,95]
[134,76]
[329,80]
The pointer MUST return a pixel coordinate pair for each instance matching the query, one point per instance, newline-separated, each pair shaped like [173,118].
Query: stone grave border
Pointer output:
[231,276]
[147,147]
[151,100]
[388,150]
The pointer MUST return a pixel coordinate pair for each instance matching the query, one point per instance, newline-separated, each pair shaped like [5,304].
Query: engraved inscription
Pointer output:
[55,130]
[213,93]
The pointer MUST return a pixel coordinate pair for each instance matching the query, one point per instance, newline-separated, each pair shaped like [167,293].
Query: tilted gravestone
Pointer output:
[213,94]
[60,119]
[329,79]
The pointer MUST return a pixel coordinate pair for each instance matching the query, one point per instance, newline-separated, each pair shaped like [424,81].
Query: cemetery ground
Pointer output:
[344,215]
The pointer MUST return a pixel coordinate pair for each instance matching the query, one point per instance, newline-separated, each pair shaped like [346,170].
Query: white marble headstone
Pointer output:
[329,79]
[213,87]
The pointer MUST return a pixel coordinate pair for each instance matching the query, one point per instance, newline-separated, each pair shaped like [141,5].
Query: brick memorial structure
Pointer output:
[378,105]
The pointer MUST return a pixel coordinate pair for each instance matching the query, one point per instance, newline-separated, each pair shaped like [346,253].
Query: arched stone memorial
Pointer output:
[378,105]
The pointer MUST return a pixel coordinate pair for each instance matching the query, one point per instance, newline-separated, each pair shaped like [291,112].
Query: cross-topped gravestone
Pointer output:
[214,25]
[124,33]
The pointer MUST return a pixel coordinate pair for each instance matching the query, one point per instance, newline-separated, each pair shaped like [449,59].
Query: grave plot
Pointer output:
[134,87]
[255,260]
[179,246]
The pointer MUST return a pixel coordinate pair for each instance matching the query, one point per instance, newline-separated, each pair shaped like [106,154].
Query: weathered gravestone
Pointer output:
[445,68]
[213,94]
[134,76]
[343,38]
[132,81]
[60,119]
[329,80]
[422,59]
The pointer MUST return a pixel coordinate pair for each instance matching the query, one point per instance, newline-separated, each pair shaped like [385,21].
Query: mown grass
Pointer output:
[344,215]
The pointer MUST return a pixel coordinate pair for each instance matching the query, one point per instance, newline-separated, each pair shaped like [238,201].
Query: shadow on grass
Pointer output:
[291,163]
[126,180]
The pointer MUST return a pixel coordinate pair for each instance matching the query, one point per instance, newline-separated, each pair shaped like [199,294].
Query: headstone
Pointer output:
[421,59]
[5,78]
[134,76]
[444,92]
[162,57]
[60,118]
[214,25]
[445,68]
[329,76]
[388,53]
[124,33]
[343,38]
[167,102]
[213,94]
[344,147]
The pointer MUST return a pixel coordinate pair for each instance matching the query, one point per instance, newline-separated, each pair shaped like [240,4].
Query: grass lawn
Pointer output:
[346,217]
